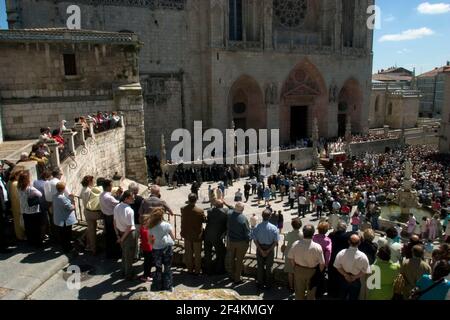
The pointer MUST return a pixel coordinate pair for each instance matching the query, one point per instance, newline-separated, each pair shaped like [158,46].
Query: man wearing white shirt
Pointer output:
[126,233]
[352,264]
[305,256]
[107,205]
[49,192]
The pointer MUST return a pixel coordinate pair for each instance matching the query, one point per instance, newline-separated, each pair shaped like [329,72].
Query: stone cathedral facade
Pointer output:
[274,64]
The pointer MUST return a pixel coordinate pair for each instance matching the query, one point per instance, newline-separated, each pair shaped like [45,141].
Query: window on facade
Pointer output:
[235,20]
[70,66]
[390,109]
[377,101]
[348,15]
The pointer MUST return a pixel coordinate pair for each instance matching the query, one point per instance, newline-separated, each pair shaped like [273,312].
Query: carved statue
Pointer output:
[408,169]
[271,93]
[163,151]
[333,93]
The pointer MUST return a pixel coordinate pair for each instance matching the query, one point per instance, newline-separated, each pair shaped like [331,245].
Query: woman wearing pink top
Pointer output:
[325,242]
[322,239]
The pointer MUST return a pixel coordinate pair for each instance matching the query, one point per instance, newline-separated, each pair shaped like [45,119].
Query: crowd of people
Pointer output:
[327,261]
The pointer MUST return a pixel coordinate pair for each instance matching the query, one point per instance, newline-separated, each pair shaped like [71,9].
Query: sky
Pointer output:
[412,34]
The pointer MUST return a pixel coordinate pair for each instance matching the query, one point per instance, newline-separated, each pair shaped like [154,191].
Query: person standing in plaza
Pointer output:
[125,230]
[301,206]
[290,238]
[154,201]
[266,237]
[90,215]
[107,205]
[352,265]
[146,248]
[254,183]
[50,191]
[413,269]
[134,189]
[292,196]
[307,258]
[40,185]
[215,231]
[19,228]
[162,238]
[239,235]
[192,219]
[247,188]
[30,208]
[64,216]
[388,273]
[319,207]
[326,244]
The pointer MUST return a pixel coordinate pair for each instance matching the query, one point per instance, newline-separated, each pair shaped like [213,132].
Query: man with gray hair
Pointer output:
[154,201]
[238,242]
[266,237]
[215,231]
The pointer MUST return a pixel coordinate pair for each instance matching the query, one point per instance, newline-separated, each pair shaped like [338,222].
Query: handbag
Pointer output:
[416,293]
[399,284]
[32,201]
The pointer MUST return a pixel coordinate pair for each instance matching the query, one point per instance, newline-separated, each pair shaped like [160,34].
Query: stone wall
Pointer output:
[378,146]
[105,156]
[23,120]
[444,142]
[192,41]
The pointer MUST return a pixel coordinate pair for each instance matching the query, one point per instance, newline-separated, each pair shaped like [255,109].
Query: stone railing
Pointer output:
[73,140]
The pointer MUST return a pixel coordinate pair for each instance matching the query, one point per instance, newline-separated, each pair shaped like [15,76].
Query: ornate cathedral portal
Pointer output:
[303,98]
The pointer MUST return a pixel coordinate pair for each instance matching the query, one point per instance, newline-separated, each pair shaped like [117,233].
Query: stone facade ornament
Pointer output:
[271,93]
[163,151]
[333,93]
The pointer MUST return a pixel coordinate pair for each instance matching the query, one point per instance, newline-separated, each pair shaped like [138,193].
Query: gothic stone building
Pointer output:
[53,74]
[275,64]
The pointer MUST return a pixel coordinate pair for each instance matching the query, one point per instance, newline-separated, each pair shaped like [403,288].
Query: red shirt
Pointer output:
[145,244]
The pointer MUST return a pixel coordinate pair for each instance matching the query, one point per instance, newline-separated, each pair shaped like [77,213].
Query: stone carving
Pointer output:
[408,169]
[272,93]
[151,4]
[289,13]
[163,151]
[333,93]
[155,90]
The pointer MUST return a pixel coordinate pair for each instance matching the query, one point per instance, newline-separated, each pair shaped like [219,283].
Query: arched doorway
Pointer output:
[246,104]
[350,105]
[303,98]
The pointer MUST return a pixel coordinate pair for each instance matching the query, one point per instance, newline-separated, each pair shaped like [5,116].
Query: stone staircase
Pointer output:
[320,168]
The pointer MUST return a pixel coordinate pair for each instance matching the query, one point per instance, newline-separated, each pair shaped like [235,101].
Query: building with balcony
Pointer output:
[274,64]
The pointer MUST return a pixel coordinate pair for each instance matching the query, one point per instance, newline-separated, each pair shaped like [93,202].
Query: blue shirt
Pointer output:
[266,233]
[63,211]
[238,227]
[439,292]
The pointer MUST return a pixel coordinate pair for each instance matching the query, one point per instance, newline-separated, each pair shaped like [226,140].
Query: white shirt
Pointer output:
[85,194]
[352,261]
[124,217]
[336,205]
[306,253]
[108,203]
[396,250]
[302,200]
[50,189]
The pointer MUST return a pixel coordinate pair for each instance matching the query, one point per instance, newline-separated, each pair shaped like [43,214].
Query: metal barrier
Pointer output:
[251,249]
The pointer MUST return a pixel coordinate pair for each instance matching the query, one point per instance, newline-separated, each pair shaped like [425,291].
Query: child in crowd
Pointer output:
[146,248]
[356,221]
